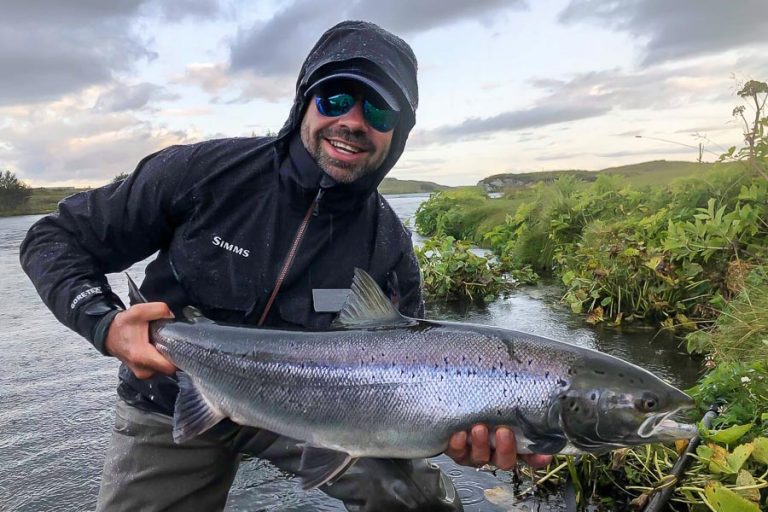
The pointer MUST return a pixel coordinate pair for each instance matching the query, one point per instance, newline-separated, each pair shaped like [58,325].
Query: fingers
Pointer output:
[505,455]
[480,453]
[153,362]
[147,312]
[457,447]
[479,447]
[537,461]
[128,340]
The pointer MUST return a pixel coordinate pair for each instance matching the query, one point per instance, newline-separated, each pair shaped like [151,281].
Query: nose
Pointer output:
[354,119]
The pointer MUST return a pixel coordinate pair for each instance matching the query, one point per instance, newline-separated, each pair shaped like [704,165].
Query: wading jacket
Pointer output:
[221,218]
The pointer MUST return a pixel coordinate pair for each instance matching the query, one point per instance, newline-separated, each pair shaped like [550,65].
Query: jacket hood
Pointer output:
[350,44]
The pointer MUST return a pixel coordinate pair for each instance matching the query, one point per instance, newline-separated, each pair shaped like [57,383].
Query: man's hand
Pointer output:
[474,449]
[128,340]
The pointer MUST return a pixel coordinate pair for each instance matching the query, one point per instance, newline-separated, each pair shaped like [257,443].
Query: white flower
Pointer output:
[745,380]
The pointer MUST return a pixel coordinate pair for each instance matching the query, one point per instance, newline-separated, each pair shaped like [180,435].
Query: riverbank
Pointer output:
[44,200]
[41,201]
[689,256]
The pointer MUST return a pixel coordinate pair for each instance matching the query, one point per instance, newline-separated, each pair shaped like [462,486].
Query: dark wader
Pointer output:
[144,470]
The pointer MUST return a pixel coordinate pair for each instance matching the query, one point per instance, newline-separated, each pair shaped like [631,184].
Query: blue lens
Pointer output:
[380,119]
[336,105]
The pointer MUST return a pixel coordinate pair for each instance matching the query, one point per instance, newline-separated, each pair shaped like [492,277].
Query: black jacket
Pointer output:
[222,216]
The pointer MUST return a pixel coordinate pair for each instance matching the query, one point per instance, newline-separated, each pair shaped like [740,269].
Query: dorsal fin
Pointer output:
[367,306]
[133,292]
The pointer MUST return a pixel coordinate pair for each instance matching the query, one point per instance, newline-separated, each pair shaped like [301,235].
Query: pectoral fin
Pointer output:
[320,466]
[192,415]
[545,443]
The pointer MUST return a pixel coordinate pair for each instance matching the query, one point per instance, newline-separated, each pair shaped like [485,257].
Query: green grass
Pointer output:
[396,186]
[661,172]
[657,172]
[43,200]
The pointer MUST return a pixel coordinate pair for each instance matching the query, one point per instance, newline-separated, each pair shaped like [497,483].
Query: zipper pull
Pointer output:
[316,207]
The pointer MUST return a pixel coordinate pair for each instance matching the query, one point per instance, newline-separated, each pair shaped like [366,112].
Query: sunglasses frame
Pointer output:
[370,110]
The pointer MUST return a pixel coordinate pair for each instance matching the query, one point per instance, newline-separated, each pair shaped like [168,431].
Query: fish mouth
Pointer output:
[661,425]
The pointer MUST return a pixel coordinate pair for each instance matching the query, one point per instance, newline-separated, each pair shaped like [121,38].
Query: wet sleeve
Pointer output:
[409,283]
[67,254]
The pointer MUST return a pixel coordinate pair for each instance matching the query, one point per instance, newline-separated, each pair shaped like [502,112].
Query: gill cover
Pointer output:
[580,419]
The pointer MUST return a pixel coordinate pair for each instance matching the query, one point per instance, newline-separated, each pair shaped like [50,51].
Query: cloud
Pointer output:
[132,97]
[666,150]
[538,116]
[66,141]
[177,10]
[596,93]
[50,48]
[217,81]
[262,49]
[677,29]
[559,156]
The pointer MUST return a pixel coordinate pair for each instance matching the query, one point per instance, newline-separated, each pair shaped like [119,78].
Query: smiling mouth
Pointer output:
[344,147]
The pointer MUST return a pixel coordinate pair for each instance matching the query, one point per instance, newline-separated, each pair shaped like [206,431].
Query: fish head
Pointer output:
[614,405]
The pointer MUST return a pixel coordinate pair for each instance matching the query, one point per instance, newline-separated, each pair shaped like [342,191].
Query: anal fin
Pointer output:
[321,465]
[192,415]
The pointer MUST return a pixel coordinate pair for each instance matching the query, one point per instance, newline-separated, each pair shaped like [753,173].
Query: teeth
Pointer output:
[343,147]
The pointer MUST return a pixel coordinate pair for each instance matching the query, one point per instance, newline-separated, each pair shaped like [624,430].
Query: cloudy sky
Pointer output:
[89,87]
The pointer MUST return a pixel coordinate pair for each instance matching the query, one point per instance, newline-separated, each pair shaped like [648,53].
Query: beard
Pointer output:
[339,170]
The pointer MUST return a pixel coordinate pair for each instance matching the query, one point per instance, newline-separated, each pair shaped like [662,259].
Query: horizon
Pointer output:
[506,86]
[469,184]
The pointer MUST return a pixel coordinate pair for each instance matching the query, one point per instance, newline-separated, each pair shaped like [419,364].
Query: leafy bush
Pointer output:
[444,213]
[451,271]
[741,330]
[742,387]
[13,192]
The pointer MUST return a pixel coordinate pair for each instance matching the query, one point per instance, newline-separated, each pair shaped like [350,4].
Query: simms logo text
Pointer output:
[86,293]
[218,242]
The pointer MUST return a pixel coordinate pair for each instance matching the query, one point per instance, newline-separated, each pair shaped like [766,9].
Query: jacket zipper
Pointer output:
[311,212]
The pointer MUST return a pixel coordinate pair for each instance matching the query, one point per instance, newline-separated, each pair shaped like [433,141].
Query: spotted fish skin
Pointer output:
[382,385]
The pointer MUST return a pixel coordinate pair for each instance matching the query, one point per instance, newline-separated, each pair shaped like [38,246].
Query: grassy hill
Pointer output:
[43,200]
[645,173]
[396,186]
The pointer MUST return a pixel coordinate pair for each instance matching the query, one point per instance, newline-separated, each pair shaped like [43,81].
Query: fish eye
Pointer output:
[648,402]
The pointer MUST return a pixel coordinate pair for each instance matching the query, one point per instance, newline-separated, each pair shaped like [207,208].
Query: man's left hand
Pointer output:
[474,448]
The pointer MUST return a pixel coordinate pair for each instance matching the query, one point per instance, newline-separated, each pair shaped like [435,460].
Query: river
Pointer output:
[57,393]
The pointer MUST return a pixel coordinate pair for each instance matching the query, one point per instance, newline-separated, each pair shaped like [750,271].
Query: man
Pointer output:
[250,231]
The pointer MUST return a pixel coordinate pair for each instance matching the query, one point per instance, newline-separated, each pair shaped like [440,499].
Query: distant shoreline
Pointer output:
[45,200]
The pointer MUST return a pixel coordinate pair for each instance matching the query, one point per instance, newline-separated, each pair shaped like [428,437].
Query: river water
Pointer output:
[57,394]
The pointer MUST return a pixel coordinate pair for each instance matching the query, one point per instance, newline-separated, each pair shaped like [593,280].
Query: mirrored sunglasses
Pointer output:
[380,119]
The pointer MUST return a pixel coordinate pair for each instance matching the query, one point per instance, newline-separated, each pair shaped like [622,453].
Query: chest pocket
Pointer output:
[216,270]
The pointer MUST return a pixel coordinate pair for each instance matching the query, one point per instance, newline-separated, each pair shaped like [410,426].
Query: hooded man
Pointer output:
[250,231]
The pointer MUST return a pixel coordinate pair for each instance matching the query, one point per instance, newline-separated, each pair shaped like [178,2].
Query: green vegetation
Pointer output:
[396,186]
[13,192]
[684,246]
[637,175]
[452,272]
[45,199]
[624,253]
[728,475]
[42,200]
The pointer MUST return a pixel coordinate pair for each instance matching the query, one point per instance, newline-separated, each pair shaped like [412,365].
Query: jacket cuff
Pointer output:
[94,319]
[101,329]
